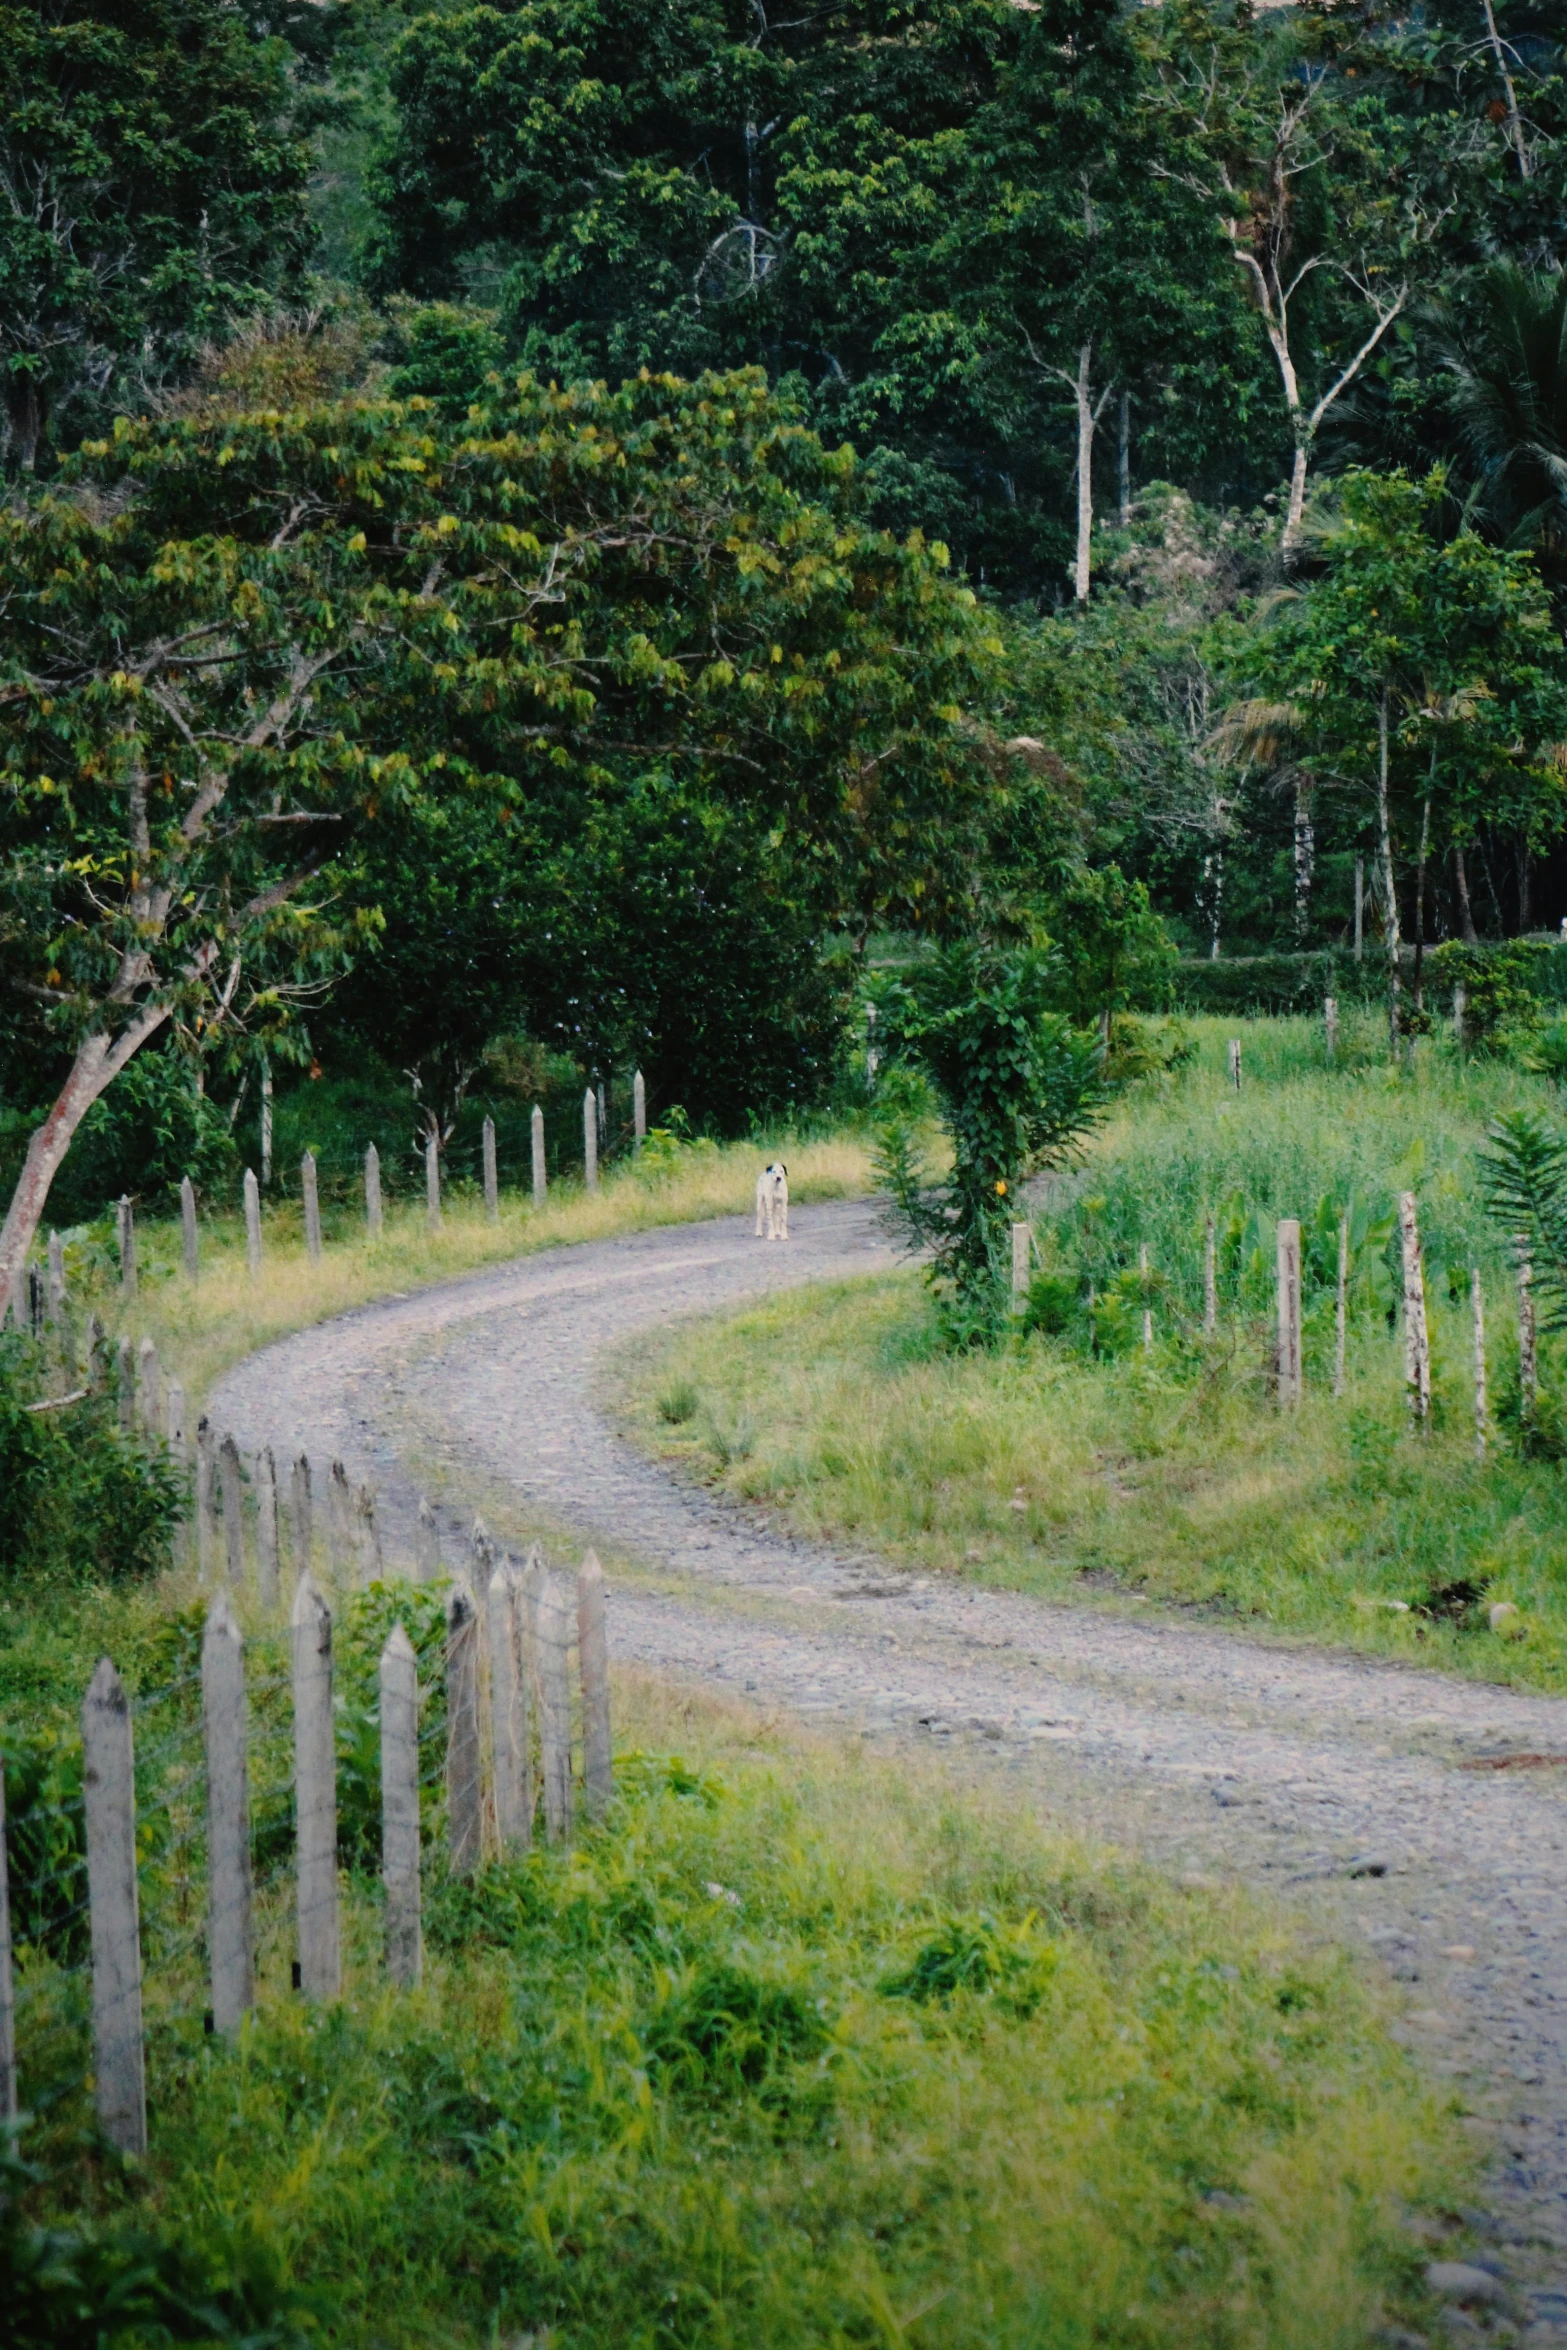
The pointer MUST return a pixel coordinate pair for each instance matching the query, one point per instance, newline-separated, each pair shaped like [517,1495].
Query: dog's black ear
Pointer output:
[783,1170]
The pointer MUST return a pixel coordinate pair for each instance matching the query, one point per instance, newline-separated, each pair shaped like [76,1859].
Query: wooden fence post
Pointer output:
[1330,1025]
[315,1794]
[432,1185]
[1341,1306]
[427,1544]
[536,1135]
[174,1420]
[1235,1062]
[372,1567]
[300,1514]
[481,1551]
[56,1279]
[312,1199]
[590,1140]
[206,1498]
[639,1108]
[1210,1278]
[1022,1249]
[231,1479]
[1417,1346]
[1289,1311]
[598,1754]
[1477,1309]
[109,1773]
[400,1808]
[464,1791]
[225,1723]
[266,1527]
[373,1215]
[252,1223]
[553,1619]
[508,1707]
[1460,1006]
[339,1522]
[149,1397]
[125,1226]
[1528,1357]
[189,1238]
[7,1987]
[125,1386]
[492,1187]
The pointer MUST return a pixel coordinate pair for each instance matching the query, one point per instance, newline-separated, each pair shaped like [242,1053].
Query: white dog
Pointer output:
[772,1202]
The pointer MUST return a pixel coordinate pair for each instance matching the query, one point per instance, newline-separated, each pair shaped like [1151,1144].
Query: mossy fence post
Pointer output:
[230,1949]
[1417,1344]
[1290,1380]
[315,1795]
[399,1680]
[190,1240]
[119,2062]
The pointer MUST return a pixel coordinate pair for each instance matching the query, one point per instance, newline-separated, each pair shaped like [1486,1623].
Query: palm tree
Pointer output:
[1511,395]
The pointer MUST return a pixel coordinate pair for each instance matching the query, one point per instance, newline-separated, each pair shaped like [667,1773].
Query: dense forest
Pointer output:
[572,521]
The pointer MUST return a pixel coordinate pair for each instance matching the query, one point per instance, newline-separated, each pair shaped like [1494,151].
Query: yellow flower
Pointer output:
[1001,1191]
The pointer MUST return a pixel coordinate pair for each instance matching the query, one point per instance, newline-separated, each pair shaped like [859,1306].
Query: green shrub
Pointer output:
[79,1499]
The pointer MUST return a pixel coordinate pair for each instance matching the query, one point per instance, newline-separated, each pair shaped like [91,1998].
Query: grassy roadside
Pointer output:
[799,2050]
[201,1328]
[1076,1458]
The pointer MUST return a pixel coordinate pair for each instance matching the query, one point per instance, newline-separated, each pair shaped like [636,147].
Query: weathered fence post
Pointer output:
[464,1812]
[231,1479]
[125,1386]
[508,1708]
[1460,1006]
[149,1398]
[1235,1062]
[189,1238]
[174,1419]
[206,1498]
[315,1794]
[252,1222]
[7,1987]
[1142,1270]
[109,1772]
[400,1808]
[432,1184]
[300,1514]
[225,1723]
[1341,1306]
[1417,1346]
[1477,1309]
[1330,1025]
[372,1567]
[492,1187]
[1210,1278]
[266,1120]
[603,1106]
[1022,1243]
[373,1216]
[307,1185]
[1528,1357]
[339,1522]
[590,1140]
[598,1755]
[1289,1310]
[536,1134]
[427,1544]
[96,1365]
[553,1620]
[639,1108]
[481,1552]
[125,1226]
[56,1280]
[266,1527]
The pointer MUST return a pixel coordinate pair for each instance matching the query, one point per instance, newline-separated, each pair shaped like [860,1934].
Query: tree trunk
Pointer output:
[98,1062]
[1525,864]
[1514,119]
[1420,902]
[1389,884]
[1085,474]
[1123,456]
[1296,514]
[1465,911]
[1305,860]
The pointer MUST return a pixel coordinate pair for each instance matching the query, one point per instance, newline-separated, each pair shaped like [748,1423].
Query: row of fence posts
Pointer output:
[1289,1371]
[508,1752]
[594,1128]
[1330,1033]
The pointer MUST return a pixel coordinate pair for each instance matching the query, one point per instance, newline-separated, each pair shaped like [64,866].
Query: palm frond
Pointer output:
[1524,1175]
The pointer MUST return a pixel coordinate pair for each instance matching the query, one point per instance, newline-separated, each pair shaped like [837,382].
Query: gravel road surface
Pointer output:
[1377,1798]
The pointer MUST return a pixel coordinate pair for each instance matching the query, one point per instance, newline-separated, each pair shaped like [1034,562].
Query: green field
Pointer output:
[1075,1459]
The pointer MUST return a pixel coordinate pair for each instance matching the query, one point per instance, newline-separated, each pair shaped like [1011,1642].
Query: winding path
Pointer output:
[1347,1784]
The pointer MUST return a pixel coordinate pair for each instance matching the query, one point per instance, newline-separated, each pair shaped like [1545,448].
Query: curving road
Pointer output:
[1366,1792]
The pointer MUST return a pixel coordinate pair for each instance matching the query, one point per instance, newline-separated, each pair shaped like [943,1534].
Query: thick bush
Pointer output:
[79,1500]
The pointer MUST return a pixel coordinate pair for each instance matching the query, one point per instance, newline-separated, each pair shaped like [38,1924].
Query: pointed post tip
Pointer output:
[399,1645]
[106,1687]
[308,1601]
[222,1623]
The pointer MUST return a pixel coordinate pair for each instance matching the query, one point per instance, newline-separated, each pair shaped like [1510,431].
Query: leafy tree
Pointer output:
[1511,399]
[153,191]
[1016,1086]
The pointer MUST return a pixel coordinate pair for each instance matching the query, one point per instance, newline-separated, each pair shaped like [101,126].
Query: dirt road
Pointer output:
[1345,1784]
